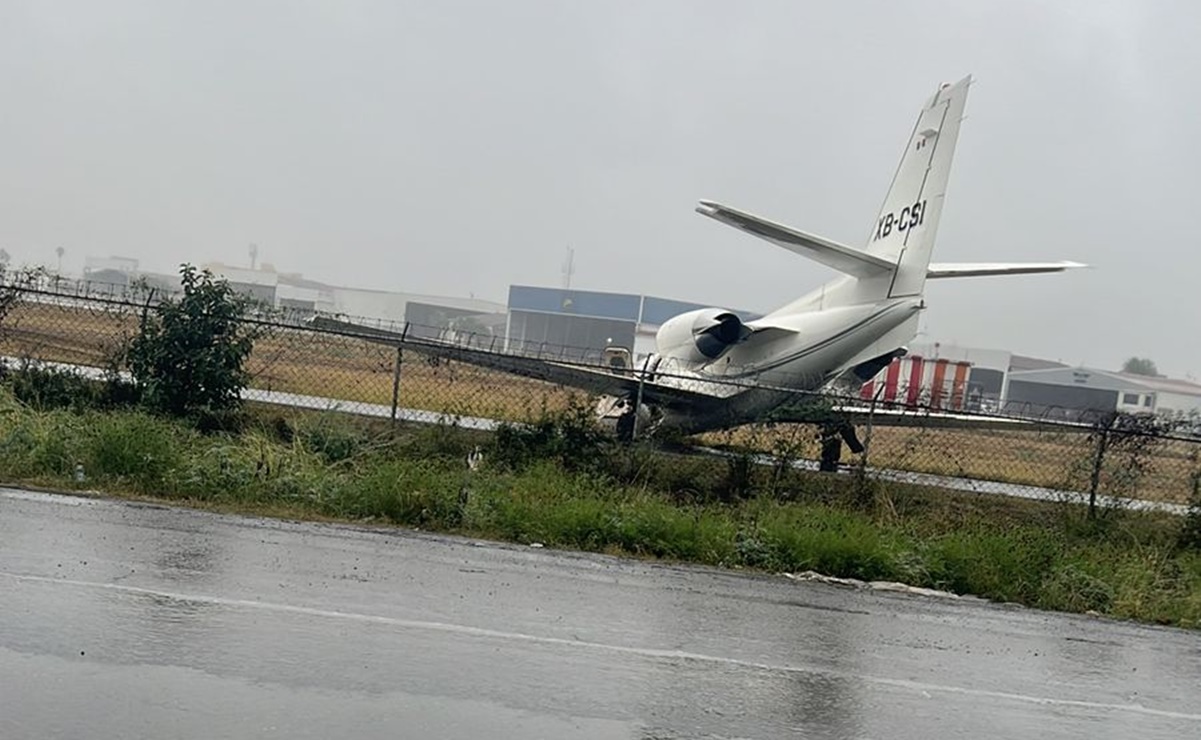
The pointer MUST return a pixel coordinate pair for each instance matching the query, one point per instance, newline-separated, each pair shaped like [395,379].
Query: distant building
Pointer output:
[259,285]
[117,271]
[297,294]
[1070,392]
[428,316]
[580,324]
[161,284]
[1018,363]
[948,376]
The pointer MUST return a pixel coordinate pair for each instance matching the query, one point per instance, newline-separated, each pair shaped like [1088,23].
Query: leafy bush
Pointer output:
[1073,588]
[1190,529]
[189,355]
[332,438]
[13,283]
[47,388]
[572,438]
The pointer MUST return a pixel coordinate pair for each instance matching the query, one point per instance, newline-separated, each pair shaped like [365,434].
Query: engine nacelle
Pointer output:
[700,336]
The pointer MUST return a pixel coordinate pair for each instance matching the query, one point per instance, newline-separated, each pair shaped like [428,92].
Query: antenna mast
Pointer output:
[568,268]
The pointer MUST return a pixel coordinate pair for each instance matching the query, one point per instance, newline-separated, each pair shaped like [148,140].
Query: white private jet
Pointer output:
[713,370]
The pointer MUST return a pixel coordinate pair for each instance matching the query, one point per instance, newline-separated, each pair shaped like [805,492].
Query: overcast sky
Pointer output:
[458,147]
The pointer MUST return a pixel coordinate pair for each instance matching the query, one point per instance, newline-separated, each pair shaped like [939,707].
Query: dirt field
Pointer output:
[295,361]
[355,370]
[1167,471]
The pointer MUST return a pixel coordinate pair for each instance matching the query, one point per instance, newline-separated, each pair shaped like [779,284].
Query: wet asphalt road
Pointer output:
[127,620]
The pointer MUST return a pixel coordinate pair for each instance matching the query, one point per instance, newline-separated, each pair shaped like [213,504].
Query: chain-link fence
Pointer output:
[398,371]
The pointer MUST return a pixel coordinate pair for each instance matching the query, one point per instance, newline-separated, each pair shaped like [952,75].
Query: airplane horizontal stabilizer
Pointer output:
[831,254]
[984,269]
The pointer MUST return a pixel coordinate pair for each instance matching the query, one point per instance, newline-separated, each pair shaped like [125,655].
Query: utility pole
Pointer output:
[568,268]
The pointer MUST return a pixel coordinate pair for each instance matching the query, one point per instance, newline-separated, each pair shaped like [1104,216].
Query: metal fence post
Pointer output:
[638,397]
[867,432]
[396,373]
[396,382]
[1098,463]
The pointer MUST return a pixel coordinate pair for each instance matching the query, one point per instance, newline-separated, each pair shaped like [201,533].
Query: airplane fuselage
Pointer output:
[802,353]
[712,369]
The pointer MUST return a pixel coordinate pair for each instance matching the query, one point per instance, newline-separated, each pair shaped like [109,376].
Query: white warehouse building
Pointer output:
[1067,391]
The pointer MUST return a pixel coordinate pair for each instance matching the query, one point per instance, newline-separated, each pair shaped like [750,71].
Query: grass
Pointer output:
[589,495]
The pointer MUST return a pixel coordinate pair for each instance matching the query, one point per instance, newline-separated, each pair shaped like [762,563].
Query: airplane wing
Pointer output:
[815,412]
[935,419]
[831,254]
[806,408]
[981,269]
[589,378]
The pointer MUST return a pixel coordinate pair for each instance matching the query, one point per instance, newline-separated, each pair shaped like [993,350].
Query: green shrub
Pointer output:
[48,388]
[333,438]
[826,540]
[189,355]
[572,438]
[40,445]
[1008,566]
[413,492]
[134,448]
[441,441]
[1073,587]
[1189,537]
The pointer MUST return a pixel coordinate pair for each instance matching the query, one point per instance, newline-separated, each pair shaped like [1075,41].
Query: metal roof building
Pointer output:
[583,322]
[1068,391]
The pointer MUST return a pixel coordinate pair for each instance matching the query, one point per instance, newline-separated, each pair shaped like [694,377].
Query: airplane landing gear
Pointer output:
[626,423]
[832,435]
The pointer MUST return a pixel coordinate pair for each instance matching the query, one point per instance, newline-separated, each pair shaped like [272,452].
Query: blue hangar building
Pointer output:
[580,323]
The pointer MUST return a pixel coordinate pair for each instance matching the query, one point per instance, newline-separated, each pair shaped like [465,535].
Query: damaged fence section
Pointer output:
[409,373]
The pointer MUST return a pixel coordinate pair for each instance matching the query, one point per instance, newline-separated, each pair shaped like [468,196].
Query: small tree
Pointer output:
[13,285]
[189,354]
[1140,366]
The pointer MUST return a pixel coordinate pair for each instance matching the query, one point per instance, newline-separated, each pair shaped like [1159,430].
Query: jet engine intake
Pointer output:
[700,336]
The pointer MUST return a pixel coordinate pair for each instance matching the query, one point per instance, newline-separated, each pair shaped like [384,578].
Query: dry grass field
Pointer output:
[71,334]
[296,361]
[1166,471]
[354,370]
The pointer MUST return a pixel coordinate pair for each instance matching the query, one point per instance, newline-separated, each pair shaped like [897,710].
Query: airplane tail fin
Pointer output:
[907,223]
